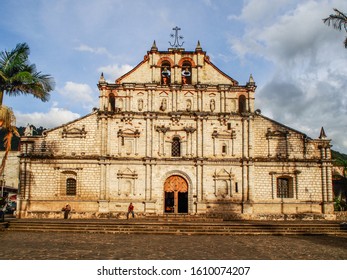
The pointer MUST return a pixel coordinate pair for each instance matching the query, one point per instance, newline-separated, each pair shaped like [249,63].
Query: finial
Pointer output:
[102,79]
[251,80]
[154,47]
[322,134]
[198,47]
[176,44]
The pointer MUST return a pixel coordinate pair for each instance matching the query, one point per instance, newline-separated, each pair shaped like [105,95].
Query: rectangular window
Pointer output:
[284,188]
[70,186]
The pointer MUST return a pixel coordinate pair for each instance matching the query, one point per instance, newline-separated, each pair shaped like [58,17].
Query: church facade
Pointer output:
[176,136]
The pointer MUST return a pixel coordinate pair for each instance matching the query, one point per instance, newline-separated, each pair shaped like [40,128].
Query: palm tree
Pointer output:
[338,21]
[18,76]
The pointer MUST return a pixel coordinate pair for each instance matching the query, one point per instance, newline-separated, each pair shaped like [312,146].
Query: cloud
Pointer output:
[77,94]
[54,117]
[112,72]
[306,89]
[99,50]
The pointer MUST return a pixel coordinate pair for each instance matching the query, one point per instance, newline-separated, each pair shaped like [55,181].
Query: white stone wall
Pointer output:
[230,161]
[11,171]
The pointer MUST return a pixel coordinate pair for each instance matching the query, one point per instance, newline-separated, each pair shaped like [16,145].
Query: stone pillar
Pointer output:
[197,142]
[23,197]
[250,180]
[103,202]
[329,176]
[104,135]
[250,166]
[323,174]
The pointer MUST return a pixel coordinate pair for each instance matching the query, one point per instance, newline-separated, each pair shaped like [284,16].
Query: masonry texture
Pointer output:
[176,135]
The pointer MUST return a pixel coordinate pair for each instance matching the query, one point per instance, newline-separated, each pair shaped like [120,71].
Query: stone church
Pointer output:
[176,136]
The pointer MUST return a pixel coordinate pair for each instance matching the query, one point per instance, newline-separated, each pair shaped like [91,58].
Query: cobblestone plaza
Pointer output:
[86,246]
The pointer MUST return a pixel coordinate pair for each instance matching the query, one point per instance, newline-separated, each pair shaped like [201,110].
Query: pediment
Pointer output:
[188,94]
[74,132]
[222,174]
[163,94]
[128,133]
[127,173]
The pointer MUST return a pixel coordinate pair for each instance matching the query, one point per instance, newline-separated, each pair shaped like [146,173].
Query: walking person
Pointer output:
[130,210]
[66,210]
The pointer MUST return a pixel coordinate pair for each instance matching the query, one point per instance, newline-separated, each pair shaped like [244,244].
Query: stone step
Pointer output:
[140,227]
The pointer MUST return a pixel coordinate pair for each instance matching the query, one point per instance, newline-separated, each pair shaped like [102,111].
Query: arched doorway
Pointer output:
[176,195]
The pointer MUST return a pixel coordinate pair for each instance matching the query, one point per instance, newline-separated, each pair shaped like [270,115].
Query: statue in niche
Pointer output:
[212,105]
[163,105]
[140,104]
[189,105]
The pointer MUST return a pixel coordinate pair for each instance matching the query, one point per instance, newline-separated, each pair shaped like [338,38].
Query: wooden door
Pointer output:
[176,195]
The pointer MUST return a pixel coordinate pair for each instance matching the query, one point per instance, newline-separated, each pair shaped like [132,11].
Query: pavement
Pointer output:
[17,245]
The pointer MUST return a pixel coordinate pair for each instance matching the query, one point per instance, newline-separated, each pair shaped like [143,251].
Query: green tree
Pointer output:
[18,76]
[338,21]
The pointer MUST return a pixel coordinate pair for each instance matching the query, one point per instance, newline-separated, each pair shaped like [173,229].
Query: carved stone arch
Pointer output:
[175,183]
[179,173]
[165,58]
[186,59]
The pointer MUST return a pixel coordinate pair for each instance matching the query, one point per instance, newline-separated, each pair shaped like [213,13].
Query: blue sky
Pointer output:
[298,63]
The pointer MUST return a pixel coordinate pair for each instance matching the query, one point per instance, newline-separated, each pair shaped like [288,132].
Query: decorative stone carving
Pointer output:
[162,129]
[163,105]
[223,183]
[212,105]
[74,132]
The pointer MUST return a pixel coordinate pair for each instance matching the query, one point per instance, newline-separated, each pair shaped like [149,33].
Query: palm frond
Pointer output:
[17,76]
[337,20]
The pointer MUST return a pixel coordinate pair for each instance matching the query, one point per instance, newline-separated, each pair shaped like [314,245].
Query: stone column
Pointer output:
[103,202]
[329,176]
[104,135]
[250,143]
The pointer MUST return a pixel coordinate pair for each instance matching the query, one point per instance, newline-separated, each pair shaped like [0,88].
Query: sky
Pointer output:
[297,62]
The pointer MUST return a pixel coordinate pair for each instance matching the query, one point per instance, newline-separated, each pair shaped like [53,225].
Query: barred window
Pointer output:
[285,187]
[176,147]
[70,186]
